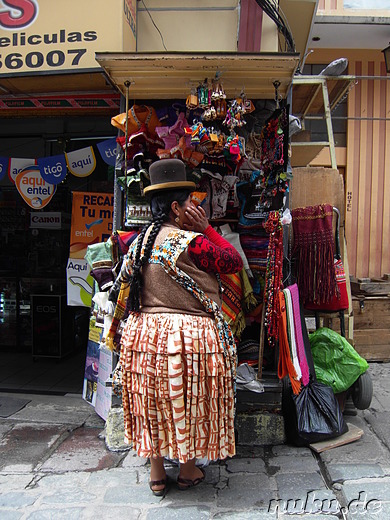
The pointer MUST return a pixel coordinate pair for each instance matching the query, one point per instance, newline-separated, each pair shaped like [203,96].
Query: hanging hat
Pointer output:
[168,174]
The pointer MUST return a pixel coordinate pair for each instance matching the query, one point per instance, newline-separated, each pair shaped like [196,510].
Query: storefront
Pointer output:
[69,115]
[55,109]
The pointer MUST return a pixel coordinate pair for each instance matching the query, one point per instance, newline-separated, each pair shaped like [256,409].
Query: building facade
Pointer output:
[358,30]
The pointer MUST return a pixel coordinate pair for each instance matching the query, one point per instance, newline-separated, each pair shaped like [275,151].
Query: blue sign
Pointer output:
[3,166]
[53,169]
[109,150]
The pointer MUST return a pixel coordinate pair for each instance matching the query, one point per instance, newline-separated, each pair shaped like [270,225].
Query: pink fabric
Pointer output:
[298,334]
[171,134]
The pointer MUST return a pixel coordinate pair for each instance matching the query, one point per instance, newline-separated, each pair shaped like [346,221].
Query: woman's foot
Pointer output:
[158,478]
[159,487]
[190,475]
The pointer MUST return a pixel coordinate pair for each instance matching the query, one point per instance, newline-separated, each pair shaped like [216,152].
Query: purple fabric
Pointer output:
[298,333]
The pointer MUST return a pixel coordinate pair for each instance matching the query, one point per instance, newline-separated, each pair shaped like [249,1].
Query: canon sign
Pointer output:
[18,14]
[46,220]
[47,309]
[37,219]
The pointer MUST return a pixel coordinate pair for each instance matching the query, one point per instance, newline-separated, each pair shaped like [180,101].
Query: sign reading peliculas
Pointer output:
[43,35]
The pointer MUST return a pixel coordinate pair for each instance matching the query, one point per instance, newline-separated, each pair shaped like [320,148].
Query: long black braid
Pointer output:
[160,206]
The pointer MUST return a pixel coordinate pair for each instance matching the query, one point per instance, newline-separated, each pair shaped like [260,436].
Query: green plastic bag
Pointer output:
[336,362]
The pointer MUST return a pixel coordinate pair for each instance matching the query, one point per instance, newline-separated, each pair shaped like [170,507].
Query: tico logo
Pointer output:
[18,14]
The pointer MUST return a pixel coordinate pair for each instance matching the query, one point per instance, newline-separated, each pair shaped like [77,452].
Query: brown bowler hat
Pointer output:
[168,174]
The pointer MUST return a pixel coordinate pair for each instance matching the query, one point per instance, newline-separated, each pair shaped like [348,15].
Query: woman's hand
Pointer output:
[196,219]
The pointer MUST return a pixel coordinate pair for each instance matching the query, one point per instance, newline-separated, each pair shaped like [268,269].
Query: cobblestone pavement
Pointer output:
[54,465]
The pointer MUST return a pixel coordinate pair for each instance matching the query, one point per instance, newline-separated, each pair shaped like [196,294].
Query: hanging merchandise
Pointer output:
[313,251]
[137,207]
[234,116]
[140,141]
[253,146]
[311,412]
[171,134]
[339,301]
[192,100]
[234,149]
[285,365]
[237,300]
[138,115]
[274,276]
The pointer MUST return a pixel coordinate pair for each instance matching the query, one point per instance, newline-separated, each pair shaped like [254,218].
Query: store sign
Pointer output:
[16,165]
[18,14]
[104,393]
[79,285]
[48,220]
[109,150]
[81,163]
[43,35]
[53,169]
[36,192]
[3,166]
[91,221]
[76,102]
[92,365]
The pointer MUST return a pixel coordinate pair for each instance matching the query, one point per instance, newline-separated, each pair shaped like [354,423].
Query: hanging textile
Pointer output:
[285,365]
[273,279]
[313,251]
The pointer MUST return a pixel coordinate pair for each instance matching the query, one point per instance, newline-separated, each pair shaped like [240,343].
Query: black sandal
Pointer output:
[185,483]
[159,492]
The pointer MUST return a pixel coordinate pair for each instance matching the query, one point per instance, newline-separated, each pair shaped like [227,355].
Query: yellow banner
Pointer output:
[81,162]
[45,35]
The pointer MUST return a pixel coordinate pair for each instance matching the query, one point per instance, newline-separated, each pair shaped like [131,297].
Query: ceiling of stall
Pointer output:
[172,75]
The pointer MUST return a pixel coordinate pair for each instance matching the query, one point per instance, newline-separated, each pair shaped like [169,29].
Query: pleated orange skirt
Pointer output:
[178,397]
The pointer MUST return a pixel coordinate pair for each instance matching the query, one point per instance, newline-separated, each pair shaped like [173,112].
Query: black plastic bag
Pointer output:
[314,414]
[317,415]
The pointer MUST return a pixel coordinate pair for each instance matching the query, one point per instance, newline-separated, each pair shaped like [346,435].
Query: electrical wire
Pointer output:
[275,13]
[153,22]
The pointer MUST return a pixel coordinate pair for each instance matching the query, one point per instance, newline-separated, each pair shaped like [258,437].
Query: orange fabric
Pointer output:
[285,366]
[138,114]
[177,394]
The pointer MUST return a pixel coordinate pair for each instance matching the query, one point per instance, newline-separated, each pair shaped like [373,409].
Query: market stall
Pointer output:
[227,117]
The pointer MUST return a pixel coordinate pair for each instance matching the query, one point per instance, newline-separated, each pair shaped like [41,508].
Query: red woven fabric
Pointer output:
[314,251]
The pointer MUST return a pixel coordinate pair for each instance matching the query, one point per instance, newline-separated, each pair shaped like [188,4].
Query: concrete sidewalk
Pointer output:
[54,465]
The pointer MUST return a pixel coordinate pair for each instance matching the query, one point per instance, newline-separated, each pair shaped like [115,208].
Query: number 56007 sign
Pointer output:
[36,59]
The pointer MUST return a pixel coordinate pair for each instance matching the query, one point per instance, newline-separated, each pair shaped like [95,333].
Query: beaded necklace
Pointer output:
[272,142]
[273,277]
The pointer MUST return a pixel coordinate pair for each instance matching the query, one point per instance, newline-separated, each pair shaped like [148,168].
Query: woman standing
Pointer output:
[177,354]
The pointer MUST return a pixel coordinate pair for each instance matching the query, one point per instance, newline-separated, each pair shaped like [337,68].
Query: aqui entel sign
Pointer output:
[44,35]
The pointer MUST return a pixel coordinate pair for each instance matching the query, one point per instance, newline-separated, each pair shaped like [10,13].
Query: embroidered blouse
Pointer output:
[213,254]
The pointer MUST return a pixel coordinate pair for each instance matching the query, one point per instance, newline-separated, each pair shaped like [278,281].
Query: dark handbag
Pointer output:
[314,414]
[338,302]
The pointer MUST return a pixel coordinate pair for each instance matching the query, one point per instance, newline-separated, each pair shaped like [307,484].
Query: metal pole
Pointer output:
[127,85]
[329,126]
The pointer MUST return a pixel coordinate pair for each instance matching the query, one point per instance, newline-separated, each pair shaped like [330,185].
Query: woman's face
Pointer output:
[179,211]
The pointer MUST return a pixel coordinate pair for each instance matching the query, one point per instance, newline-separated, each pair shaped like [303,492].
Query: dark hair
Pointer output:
[160,205]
